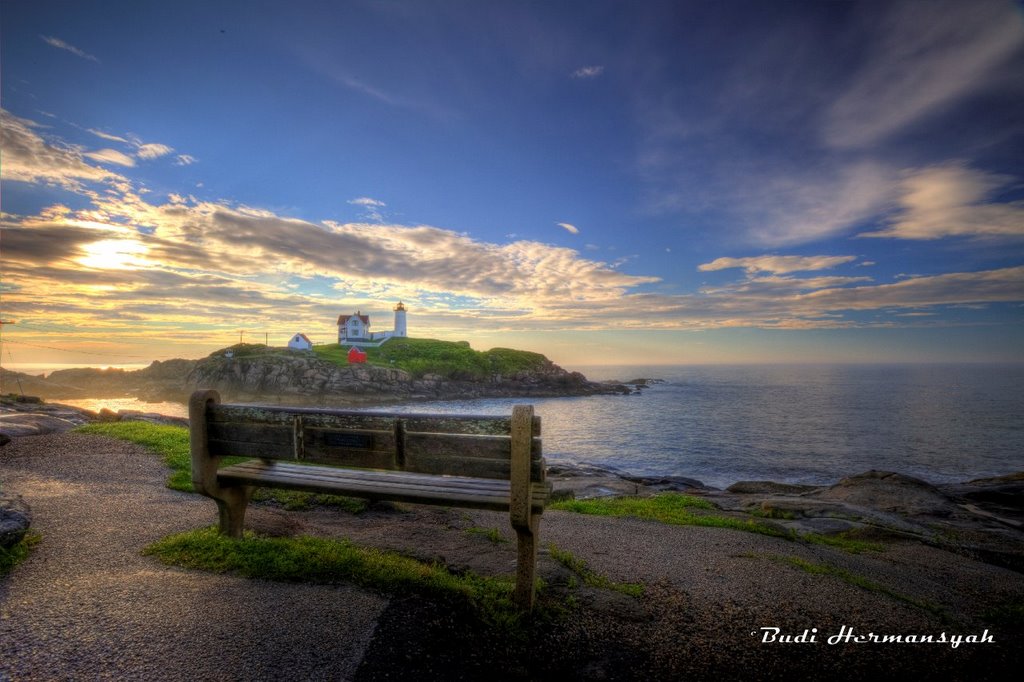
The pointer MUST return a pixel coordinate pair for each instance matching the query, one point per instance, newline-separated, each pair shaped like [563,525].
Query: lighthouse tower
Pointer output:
[400,329]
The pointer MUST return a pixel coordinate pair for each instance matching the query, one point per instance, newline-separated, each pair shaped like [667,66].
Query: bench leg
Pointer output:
[232,510]
[527,563]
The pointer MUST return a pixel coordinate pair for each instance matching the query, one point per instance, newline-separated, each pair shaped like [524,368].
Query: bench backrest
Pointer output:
[458,445]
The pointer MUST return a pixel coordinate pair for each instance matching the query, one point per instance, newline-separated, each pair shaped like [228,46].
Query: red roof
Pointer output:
[304,338]
[343,319]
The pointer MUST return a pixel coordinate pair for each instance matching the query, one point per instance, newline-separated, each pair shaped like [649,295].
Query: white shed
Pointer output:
[300,342]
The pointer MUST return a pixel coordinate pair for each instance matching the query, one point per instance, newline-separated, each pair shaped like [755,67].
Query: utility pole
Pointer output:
[2,323]
[266,339]
[241,332]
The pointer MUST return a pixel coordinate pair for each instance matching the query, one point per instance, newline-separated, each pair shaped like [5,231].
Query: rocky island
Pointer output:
[402,369]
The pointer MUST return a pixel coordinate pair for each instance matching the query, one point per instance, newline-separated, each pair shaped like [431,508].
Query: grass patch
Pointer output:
[591,577]
[689,510]
[859,581]
[672,508]
[844,541]
[772,513]
[492,534]
[172,444]
[322,560]
[18,552]
[448,359]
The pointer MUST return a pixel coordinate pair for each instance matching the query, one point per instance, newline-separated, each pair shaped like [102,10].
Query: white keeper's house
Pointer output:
[354,330]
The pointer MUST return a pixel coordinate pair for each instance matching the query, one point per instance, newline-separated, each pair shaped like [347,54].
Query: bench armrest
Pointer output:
[204,467]
[521,492]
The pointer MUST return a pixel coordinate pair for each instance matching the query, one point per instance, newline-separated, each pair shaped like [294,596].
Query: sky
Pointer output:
[604,182]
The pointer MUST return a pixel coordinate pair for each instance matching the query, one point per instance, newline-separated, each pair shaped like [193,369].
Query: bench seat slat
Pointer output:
[404,487]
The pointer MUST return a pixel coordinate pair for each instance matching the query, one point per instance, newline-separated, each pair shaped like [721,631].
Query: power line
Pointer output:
[85,352]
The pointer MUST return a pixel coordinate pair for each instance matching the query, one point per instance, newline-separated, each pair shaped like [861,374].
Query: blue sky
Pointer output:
[657,182]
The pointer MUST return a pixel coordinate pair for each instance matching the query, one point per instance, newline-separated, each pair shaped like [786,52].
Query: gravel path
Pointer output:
[87,605]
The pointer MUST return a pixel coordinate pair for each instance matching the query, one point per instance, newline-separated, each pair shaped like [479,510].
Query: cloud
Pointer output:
[952,200]
[142,150]
[107,136]
[783,145]
[110,156]
[152,150]
[58,43]
[588,71]
[371,208]
[920,61]
[122,262]
[228,263]
[1003,285]
[776,264]
[29,158]
[571,229]
[367,202]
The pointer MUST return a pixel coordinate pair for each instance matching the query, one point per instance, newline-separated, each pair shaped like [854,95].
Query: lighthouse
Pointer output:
[400,329]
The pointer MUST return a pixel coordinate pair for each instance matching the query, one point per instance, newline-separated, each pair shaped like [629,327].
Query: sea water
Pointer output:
[799,424]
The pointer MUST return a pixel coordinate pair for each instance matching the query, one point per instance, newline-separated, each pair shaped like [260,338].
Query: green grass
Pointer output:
[591,577]
[492,534]
[672,508]
[688,510]
[448,359]
[844,541]
[171,443]
[859,581]
[322,560]
[12,556]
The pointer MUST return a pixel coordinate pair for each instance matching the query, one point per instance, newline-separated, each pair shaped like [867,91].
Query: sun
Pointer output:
[114,254]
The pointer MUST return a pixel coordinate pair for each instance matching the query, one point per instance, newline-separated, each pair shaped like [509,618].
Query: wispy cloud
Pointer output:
[588,71]
[921,60]
[372,208]
[152,150]
[60,44]
[568,227]
[776,264]
[953,200]
[184,160]
[107,136]
[367,202]
[110,156]
[29,158]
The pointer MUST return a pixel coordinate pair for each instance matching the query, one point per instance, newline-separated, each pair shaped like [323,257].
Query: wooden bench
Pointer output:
[484,462]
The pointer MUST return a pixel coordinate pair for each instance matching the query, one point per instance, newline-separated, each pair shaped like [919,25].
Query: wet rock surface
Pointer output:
[983,518]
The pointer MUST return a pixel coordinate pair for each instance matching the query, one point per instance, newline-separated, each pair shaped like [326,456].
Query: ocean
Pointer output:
[809,424]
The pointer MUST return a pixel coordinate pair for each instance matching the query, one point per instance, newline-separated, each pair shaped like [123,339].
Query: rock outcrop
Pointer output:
[300,378]
[304,378]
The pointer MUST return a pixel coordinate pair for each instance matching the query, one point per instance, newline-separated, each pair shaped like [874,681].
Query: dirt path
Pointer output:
[87,605]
